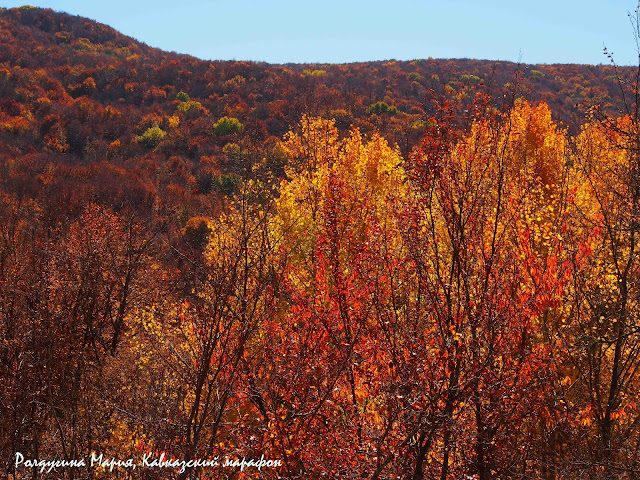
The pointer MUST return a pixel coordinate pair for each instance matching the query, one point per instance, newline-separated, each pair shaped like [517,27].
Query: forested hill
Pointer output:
[77,94]
[63,58]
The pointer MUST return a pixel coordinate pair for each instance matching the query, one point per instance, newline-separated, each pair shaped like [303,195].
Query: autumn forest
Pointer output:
[382,270]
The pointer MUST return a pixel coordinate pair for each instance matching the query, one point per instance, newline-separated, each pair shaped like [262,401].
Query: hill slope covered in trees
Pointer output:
[75,94]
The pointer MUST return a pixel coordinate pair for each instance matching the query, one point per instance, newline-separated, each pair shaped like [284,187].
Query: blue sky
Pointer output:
[337,31]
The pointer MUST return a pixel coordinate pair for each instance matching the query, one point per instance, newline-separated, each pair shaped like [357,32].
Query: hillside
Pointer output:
[76,94]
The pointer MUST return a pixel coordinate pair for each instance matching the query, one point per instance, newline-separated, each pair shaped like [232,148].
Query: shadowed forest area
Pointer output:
[382,270]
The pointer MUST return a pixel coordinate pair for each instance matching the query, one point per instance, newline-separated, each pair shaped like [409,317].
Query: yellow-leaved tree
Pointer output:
[601,342]
[327,373]
[205,334]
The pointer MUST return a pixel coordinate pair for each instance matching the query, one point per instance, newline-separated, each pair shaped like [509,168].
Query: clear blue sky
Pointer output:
[279,31]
